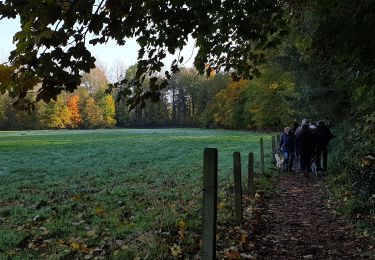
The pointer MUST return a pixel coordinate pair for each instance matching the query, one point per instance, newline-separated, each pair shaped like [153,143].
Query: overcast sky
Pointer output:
[107,54]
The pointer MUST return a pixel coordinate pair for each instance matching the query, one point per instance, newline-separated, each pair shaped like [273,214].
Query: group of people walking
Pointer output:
[305,144]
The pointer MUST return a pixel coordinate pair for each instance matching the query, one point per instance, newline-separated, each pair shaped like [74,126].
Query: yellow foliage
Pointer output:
[75,246]
[79,246]
[92,114]
[182,228]
[109,111]
[212,71]
[227,100]
[182,225]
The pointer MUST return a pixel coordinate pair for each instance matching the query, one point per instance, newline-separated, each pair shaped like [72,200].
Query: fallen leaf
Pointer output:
[99,211]
[182,225]
[176,250]
[244,237]
[74,246]
[76,198]
[221,205]
[232,254]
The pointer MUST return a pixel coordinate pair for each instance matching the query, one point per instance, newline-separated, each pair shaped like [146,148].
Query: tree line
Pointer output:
[88,107]
[190,100]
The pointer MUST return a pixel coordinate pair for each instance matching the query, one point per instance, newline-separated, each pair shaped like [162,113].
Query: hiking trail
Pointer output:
[298,222]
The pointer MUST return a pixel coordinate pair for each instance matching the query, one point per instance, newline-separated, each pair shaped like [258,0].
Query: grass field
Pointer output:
[114,193]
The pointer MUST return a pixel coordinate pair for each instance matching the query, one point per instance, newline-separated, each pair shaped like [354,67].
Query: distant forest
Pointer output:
[269,102]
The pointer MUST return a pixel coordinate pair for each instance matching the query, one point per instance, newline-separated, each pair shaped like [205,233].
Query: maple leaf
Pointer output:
[74,246]
[79,246]
[176,250]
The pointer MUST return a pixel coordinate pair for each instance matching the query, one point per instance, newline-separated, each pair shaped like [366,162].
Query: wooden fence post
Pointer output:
[250,174]
[261,156]
[237,186]
[277,139]
[273,149]
[209,203]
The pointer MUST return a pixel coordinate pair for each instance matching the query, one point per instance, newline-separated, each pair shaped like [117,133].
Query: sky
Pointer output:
[107,55]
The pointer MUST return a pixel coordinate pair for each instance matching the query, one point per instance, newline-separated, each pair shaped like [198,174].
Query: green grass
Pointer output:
[66,193]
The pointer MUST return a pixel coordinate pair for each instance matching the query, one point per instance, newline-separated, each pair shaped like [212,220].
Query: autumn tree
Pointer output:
[91,114]
[57,114]
[229,106]
[73,110]
[107,107]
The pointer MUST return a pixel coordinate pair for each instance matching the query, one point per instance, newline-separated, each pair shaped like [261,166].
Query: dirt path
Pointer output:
[298,224]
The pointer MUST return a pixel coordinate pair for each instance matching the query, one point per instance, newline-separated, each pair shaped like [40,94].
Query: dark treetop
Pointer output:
[51,46]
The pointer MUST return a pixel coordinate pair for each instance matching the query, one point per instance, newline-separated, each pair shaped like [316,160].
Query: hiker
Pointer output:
[295,126]
[297,132]
[287,148]
[305,145]
[295,154]
[322,136]
[299,128]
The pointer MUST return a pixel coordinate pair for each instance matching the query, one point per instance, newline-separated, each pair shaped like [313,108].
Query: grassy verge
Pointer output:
[118,193]
[347,202]
[351,178]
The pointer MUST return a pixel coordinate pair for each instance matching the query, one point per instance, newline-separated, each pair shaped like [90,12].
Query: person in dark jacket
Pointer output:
[305,144]
[295,126]
[322,136]
[299,128]
[296,153]
[297,132]
[287,148]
